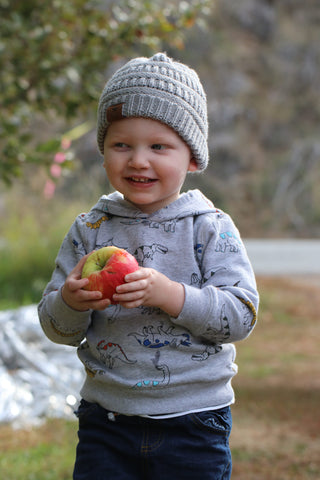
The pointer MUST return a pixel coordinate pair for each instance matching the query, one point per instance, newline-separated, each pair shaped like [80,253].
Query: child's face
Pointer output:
[146,161]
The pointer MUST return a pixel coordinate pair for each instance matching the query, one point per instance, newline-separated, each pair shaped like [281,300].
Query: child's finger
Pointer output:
[128,298]
[133,286]
[137,275]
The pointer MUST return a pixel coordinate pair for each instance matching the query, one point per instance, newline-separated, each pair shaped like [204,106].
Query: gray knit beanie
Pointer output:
[161,89]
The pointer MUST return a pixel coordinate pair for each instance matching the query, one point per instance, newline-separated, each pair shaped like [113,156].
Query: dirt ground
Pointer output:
[276,415]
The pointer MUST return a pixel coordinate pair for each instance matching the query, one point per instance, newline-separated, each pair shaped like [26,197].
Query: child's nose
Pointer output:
[138,159]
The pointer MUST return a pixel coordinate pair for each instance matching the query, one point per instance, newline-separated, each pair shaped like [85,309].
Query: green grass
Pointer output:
[29,242]
[45,453]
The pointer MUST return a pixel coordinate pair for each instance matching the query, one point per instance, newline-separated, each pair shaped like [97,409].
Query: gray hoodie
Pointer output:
[141,361]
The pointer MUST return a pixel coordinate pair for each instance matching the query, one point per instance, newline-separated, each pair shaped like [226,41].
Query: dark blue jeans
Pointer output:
[134,448]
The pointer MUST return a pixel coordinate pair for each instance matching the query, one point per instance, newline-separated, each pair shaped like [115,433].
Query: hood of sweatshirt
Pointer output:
[189,203]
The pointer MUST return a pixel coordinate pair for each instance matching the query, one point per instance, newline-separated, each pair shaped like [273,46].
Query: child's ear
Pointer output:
[192,165]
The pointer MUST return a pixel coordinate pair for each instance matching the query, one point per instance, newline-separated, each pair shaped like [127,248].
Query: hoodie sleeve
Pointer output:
[60,322]
[224,308]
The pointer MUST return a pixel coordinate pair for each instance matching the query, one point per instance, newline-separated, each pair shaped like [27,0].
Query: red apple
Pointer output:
[106,268]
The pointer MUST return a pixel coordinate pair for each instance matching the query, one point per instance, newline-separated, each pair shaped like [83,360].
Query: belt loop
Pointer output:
[112,416]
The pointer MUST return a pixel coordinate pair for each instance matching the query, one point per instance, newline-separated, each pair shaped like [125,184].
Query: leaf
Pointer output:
[50,146]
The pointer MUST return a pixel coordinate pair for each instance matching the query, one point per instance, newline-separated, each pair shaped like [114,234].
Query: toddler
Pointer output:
[159,362]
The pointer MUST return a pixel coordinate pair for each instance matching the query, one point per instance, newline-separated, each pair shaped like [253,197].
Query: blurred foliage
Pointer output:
[53,59]
[259,62]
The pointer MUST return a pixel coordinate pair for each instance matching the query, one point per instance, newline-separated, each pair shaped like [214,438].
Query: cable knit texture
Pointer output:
[161,89]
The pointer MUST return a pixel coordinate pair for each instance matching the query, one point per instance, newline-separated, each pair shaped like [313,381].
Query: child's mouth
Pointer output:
[142,180]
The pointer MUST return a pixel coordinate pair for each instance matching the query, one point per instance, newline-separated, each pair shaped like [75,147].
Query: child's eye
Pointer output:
[158,146]
[120,145]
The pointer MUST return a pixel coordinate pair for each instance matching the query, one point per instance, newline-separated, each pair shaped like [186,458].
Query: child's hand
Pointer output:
[151,288]
[77,298]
